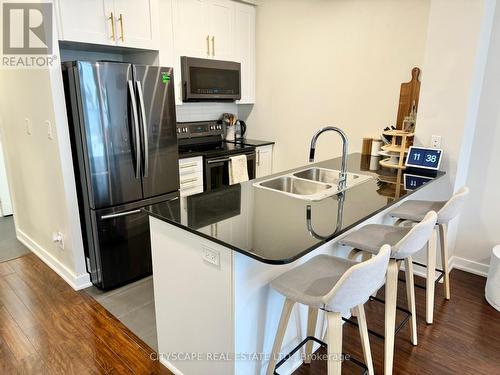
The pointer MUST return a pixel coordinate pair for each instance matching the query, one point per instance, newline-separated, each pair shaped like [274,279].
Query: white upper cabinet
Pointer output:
[138,23]
[191,35]
[86,21]
[126,23]
[221,17]
[215,29]
[244,48]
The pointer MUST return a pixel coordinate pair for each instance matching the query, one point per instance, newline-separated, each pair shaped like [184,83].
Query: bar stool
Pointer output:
[446,211]
[334,285]
[404,242]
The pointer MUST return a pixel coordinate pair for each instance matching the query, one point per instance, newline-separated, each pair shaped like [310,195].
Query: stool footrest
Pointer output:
[398,328]
[423,286]
[324,345]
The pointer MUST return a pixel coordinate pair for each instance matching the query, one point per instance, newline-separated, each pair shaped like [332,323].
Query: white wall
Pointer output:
[458,39]
[479,225]
[35,170]
[332,63]
[40,170]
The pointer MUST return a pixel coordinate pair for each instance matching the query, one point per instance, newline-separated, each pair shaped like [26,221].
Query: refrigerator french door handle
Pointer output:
[144,128]
[120,214]
[136,130]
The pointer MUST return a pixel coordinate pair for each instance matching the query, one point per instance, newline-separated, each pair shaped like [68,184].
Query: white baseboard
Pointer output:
[470,266]
[77,282]
[462,264]
[170,366]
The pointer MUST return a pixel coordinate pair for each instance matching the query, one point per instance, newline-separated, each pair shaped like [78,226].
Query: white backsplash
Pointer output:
[204,111]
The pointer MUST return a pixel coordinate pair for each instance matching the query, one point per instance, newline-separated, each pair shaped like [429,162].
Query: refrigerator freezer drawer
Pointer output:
[122,247]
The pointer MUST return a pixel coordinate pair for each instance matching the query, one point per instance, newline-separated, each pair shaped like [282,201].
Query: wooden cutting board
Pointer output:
[408,95]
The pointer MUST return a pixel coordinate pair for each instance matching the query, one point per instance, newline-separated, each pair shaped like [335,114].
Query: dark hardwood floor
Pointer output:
[464,339]
[48,328]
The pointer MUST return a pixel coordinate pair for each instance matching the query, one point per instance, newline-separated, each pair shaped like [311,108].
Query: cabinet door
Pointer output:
[137,23]
[244,49]
[264,161]
[221,17]
[191,36]
[87,21]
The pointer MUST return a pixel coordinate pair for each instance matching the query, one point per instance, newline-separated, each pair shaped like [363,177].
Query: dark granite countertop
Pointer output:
[273,227]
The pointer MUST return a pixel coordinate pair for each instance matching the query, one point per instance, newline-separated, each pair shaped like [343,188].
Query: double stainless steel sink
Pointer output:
[312,183]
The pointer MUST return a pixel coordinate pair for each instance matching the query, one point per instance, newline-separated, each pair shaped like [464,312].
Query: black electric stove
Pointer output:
[206,139]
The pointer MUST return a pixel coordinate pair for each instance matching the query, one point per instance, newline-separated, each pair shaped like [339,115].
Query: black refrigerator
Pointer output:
[124,142]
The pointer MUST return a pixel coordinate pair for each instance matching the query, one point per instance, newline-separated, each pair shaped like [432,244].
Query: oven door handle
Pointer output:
[213,161]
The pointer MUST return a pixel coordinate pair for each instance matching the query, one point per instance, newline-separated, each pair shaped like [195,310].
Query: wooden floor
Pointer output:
[464,339]
[47,328]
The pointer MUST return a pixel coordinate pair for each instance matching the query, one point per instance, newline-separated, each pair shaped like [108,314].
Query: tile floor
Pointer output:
[10,247]
[134,306]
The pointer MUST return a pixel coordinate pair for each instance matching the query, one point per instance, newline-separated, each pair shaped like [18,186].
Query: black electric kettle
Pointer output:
[240,129]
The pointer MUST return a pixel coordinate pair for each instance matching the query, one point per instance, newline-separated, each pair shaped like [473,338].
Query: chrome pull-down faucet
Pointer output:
[345,144]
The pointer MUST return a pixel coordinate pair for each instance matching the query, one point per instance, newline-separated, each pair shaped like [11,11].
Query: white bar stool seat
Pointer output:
[310,282]
[404,243]
[334,285]
[446,211]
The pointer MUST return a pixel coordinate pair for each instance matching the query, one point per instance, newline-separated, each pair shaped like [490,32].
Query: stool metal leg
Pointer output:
[365,341]
[391,290]
[278,341]
[410,296]
[311,331]
[431,279]
[444,260]
[334,341]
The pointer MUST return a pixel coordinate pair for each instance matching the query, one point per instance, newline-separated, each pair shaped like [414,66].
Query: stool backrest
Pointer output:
[359,282]
[417,237]
[454,205]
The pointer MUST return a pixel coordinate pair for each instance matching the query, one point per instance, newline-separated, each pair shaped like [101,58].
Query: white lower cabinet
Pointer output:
[191,176]
[264,161]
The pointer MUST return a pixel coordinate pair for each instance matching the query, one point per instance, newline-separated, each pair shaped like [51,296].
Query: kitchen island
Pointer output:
[215,253]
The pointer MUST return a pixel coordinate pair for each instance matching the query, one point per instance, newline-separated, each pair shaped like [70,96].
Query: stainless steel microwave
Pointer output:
[210,80]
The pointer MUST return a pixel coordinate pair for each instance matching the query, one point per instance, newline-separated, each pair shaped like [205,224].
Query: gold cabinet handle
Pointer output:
[208,45]
[213,46]
[121,27]
[112,19]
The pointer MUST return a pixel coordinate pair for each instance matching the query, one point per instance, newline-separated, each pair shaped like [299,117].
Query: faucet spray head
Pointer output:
[311,154]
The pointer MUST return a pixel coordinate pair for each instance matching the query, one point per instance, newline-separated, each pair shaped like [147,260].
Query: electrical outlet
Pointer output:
[436,141]
[211,256]
[58,238]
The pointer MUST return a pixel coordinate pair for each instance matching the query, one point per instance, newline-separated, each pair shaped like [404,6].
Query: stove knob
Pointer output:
[219,127]
[212,127]
[184,130]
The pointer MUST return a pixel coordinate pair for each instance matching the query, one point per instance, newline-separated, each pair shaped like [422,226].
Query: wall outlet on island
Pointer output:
[211,256]
[435,141]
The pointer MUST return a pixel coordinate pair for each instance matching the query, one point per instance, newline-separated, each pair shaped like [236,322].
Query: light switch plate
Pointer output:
[49,130]
[211,256]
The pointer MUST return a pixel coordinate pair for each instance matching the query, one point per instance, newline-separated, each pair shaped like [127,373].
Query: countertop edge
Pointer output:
[302,253]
